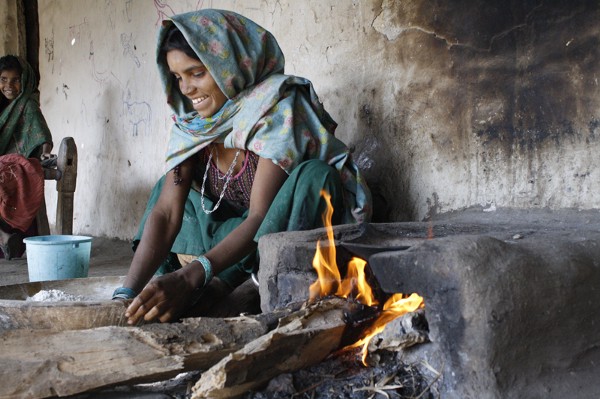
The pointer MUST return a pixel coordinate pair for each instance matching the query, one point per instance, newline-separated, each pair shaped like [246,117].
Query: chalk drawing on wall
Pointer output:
[49,49]
[99,77]
[128,10]
[75,31]
[85,115]
[128,48]
[163,10]
[200,4]
[137,115]
[112,13]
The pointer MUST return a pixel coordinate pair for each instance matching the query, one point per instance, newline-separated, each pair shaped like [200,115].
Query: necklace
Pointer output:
[227,178]
[218,162]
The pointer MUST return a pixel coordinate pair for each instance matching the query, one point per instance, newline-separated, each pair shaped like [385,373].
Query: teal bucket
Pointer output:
[57,257]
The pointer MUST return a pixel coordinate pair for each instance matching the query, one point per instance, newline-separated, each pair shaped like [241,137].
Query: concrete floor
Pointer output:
[109,257]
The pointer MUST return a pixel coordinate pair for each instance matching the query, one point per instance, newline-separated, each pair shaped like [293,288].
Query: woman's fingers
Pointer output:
[141,305]
[153,313]
[162,299]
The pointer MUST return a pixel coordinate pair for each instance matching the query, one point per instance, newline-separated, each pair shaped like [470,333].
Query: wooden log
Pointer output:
[299,341]
[97,310]
[42,363]
[60,316]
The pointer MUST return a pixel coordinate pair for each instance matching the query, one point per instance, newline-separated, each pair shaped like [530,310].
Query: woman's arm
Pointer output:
[165,297]
[161,228]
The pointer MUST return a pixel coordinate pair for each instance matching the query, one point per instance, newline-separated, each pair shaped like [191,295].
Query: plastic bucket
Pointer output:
[57,257]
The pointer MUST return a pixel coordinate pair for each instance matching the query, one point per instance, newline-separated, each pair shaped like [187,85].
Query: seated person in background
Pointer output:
[25,140]
[249,153]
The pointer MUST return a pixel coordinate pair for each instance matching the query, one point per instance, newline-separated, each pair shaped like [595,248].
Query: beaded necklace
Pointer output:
[227,178]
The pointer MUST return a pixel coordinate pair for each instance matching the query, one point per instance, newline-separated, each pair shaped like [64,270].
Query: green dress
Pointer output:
[297,206]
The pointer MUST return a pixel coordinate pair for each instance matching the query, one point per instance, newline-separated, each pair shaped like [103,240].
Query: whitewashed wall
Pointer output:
[100,85]
[449,104]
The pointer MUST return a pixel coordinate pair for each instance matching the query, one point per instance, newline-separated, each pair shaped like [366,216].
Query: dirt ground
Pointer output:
[109,257]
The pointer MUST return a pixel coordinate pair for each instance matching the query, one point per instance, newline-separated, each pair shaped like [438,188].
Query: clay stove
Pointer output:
[510,297]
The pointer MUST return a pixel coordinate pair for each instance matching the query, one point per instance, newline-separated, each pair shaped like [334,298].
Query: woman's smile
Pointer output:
[10,84]
[196,83]
[196,101]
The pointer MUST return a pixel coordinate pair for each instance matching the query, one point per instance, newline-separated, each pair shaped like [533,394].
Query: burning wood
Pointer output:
[302,339]
[307,340]
[355,284]
[238,354]
[60,363]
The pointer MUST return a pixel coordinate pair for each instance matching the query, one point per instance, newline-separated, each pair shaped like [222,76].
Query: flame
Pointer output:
[328,274]
[393,308]
[354,285]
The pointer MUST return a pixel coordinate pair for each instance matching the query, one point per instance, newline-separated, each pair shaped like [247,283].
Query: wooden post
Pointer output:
[67,165]
[43,227]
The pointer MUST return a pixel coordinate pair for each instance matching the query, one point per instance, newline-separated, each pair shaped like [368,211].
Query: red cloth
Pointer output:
[21,190]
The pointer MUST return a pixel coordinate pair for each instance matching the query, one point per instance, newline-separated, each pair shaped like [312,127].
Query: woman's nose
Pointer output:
[185,87]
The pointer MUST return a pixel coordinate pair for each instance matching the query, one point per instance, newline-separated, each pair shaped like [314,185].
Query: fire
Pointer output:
[354,284]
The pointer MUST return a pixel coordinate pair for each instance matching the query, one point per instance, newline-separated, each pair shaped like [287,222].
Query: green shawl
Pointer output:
[22,126]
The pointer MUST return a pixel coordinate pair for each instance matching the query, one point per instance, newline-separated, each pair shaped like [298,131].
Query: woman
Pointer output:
[25,136]
[249,153]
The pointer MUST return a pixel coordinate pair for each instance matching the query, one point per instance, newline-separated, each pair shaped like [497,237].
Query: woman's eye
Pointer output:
[199,74]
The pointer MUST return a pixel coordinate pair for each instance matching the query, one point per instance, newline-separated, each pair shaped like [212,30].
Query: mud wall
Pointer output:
[448,105]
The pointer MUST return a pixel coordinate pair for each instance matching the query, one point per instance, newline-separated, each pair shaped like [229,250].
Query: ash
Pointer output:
[341,376]
[344,376]
[54,296]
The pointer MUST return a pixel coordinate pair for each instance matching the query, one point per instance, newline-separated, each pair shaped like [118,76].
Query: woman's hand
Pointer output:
[165,297]
[162,226]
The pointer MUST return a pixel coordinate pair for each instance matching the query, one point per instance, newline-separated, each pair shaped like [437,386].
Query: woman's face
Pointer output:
[196,83]
[10,84]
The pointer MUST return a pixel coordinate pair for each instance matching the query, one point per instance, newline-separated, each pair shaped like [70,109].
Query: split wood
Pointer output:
[238,353]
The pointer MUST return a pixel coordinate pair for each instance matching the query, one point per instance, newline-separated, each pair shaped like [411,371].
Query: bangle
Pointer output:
[208,271]
[124,293]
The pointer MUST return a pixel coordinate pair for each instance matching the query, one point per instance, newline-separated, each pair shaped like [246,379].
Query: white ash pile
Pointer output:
[55,296]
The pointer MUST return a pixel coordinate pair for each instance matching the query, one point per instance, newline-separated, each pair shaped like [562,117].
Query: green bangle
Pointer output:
[124,293]
[208,271]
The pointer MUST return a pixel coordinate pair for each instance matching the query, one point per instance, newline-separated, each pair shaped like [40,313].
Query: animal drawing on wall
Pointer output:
[137,115]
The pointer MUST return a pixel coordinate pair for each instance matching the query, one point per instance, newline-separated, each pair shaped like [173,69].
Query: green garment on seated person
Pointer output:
[297,206]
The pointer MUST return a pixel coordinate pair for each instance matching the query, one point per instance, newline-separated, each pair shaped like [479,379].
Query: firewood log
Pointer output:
[302,339]
[43,363]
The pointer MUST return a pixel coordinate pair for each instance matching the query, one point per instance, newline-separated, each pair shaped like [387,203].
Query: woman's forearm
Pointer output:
[157,238]
[233,248]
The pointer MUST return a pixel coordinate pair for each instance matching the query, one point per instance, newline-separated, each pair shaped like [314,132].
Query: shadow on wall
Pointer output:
[370,158]
[382,168]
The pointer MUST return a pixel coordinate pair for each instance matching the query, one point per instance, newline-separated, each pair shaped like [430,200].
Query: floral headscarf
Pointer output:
[22,125]
[276,116]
